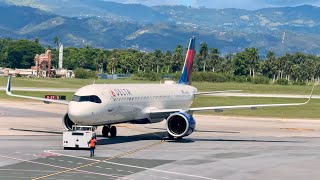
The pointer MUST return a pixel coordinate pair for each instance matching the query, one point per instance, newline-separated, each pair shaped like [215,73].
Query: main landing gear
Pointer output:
[109,129]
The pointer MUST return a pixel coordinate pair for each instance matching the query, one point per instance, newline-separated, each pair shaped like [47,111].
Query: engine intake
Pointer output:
[180,124]
[67,122]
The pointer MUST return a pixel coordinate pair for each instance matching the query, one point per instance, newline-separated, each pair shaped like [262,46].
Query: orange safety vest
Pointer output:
[92,143]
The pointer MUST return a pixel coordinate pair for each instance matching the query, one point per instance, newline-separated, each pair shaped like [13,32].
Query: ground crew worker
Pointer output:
[92,144]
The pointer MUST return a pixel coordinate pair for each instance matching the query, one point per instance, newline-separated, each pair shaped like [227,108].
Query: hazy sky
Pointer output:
[243,4]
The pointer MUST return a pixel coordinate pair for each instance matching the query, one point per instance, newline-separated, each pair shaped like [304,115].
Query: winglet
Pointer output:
[8,89]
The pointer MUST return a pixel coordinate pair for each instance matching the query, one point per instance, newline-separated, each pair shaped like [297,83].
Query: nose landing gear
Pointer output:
[109,129]
[113,131]
[105,131]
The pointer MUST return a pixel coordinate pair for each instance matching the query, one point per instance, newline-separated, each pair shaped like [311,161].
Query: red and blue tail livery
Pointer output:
[187,68]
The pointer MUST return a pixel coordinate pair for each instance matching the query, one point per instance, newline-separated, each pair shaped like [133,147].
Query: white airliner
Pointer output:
[109,104]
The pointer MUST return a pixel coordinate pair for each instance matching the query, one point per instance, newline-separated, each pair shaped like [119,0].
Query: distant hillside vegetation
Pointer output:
[114,25]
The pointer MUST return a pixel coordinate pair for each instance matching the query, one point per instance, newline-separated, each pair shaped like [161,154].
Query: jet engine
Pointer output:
[180,124]
[67,123]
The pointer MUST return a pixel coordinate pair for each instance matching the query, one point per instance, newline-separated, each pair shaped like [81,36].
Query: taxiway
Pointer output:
[221,148]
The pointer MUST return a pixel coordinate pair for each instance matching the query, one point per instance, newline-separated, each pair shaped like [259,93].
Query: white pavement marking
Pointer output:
[17,173]
[119,170]
[138,167]
[98,167]
[70,162]
[168,172]
[17,177]
[25,170]
[61,167]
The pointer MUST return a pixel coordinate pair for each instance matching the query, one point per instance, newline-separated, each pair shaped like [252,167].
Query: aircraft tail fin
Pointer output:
[187,67]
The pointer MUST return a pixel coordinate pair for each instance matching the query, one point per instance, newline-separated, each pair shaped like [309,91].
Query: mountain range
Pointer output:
[114,25]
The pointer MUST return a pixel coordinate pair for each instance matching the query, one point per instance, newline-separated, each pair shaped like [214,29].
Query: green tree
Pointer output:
[56,41]
[21,53]
[240,64]
[177,59]
[268,67]
[159,59]
[214,60]
[253,57]
[36,40]
[203,54]
[168,61]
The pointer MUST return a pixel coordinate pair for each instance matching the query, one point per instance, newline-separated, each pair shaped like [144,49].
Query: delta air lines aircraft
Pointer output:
[109,104]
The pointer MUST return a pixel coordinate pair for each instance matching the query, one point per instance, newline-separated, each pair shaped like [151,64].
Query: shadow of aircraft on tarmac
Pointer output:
[39,131]
[201,131]
[163,136]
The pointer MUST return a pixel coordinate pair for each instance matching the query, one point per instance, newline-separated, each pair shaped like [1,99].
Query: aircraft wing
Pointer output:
[216,92]
[159,112]
[8,91]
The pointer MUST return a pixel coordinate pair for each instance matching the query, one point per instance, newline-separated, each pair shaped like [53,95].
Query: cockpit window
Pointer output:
[92,98]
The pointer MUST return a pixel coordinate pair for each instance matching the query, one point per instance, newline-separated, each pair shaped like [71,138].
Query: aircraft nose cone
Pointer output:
[79,113]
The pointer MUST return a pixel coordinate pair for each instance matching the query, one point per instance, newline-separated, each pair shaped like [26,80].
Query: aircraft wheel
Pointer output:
[113,131]
[105,131]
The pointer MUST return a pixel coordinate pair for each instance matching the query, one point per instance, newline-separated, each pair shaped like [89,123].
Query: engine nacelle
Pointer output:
[180,124]
[67,122]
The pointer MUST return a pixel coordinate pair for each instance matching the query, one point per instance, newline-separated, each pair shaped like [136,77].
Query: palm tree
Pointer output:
[271,62]
[177,58]
[158,57]
[139,61]
[281,62]
[253,56]
[56,41]
[168,60]
[100,60]
[214,58]
[204,54]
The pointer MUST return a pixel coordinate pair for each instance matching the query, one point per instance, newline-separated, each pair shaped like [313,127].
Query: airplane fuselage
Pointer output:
[103,104]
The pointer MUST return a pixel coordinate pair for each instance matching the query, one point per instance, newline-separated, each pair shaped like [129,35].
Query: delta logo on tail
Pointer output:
[187,68]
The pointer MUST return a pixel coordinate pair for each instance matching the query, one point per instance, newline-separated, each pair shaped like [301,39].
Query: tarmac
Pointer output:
[230,148]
